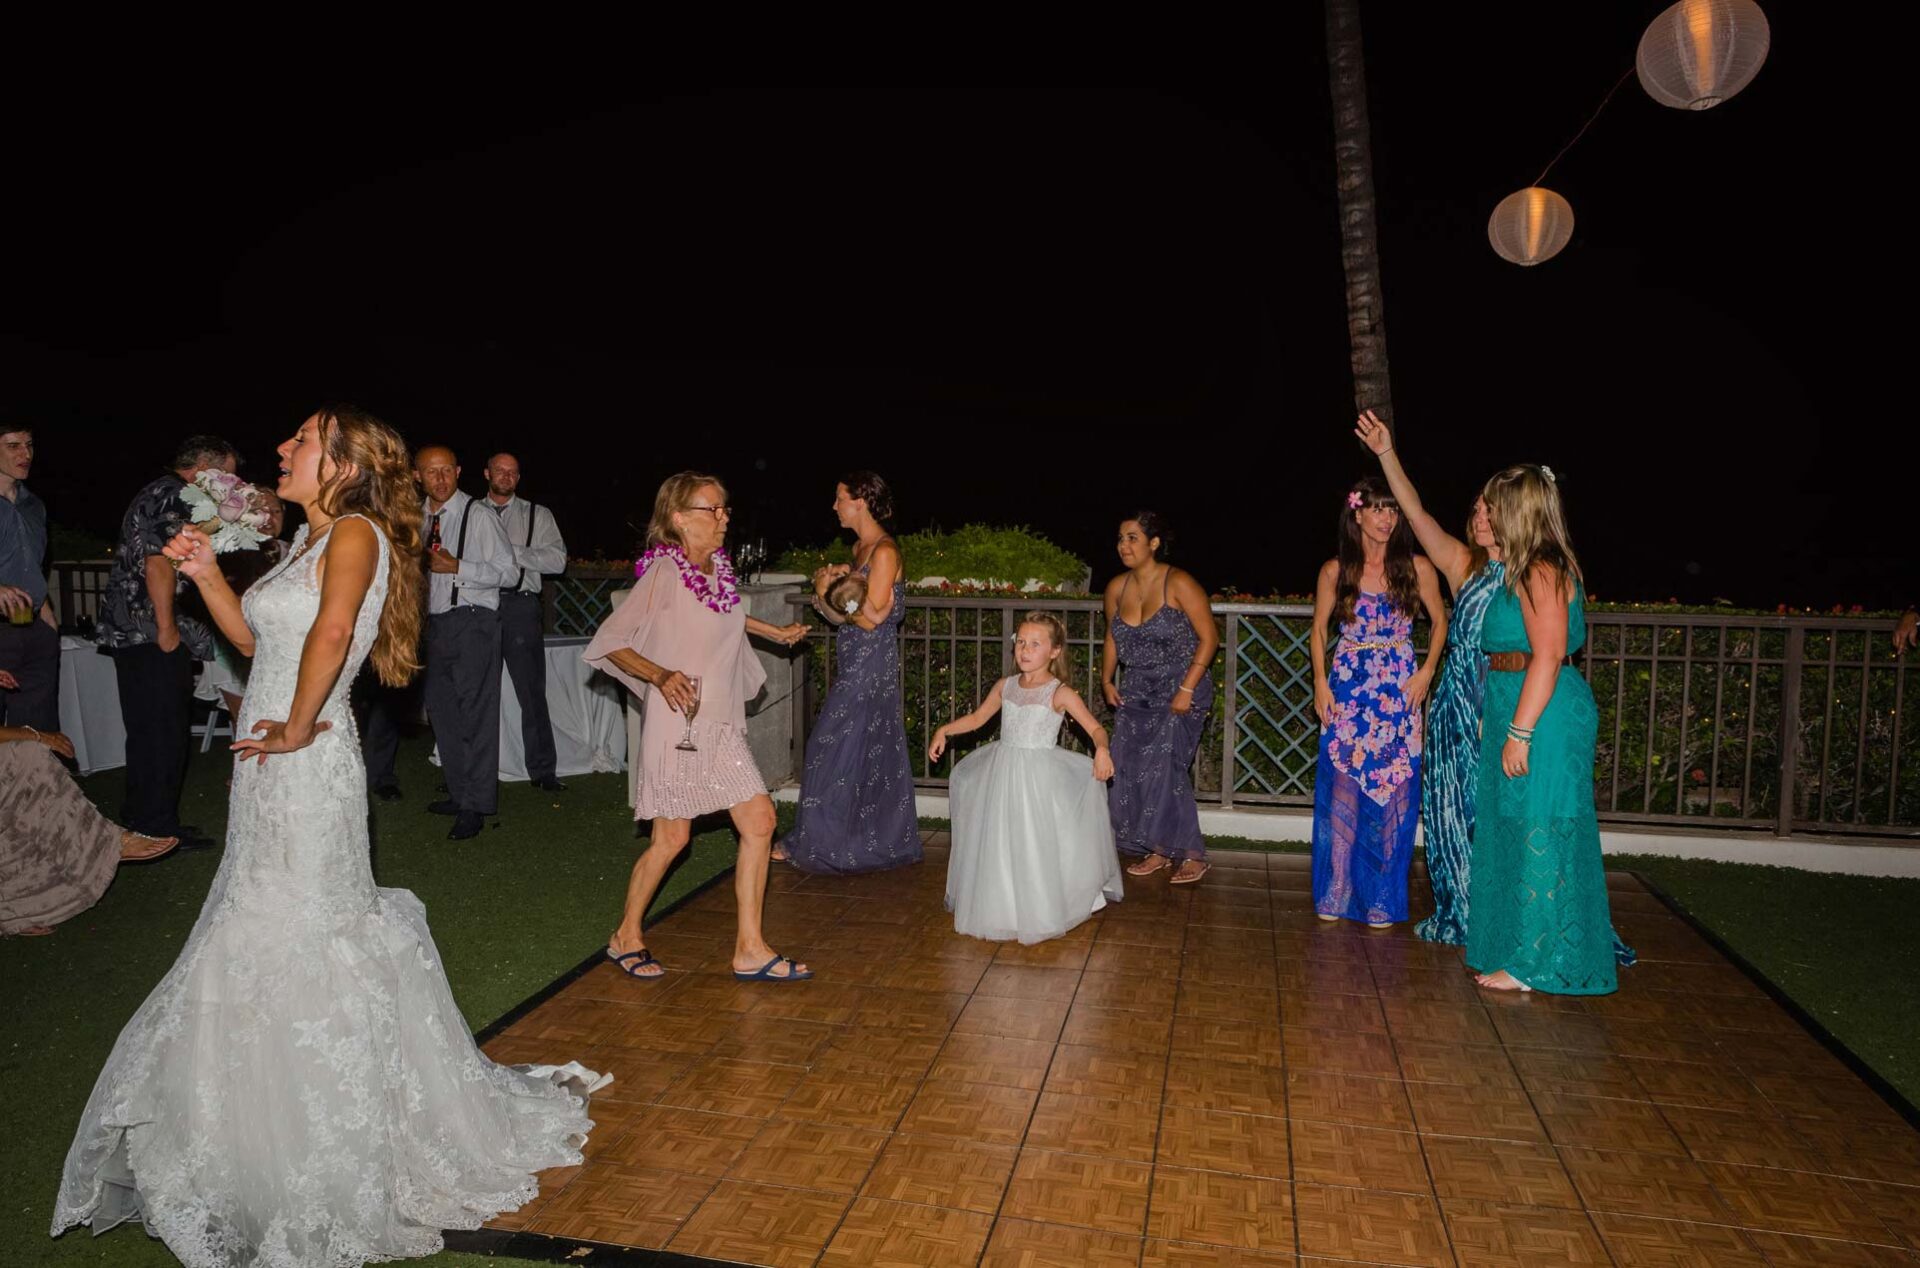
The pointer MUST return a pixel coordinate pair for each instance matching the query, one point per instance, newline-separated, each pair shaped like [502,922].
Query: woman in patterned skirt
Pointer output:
[1450,782]
[679,641]
[1541,919]
[1160,627]
[1366,794]
[57,853]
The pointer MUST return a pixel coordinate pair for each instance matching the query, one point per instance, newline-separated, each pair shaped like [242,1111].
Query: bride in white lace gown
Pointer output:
[300,1089]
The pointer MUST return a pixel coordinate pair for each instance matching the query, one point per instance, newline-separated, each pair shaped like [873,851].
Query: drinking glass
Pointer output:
[686,744]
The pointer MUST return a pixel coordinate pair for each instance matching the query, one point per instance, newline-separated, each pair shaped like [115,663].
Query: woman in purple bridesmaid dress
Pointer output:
[1160,629]
[856,809]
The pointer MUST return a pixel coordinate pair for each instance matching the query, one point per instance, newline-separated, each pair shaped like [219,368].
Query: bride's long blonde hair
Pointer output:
[1531,526]
[379,485]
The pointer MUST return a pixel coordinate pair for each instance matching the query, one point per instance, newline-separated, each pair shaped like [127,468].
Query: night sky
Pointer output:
[1039,277]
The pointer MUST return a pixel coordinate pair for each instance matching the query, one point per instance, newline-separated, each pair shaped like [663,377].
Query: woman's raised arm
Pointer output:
[1449,554]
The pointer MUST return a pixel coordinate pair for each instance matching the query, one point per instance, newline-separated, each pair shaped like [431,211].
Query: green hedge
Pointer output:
[1000,556]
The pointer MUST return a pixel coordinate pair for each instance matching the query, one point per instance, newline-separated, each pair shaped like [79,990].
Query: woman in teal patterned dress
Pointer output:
[1473,573]
[1452,778]
[1541,920]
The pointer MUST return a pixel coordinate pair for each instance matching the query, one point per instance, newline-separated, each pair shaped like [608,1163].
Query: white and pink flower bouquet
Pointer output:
[227,509]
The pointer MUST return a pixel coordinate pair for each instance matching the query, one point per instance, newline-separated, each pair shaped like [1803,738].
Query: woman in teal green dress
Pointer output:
[1539,918]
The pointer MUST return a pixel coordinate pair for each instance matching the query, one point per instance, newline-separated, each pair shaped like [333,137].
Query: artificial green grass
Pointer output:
[1841,947]
[511,911]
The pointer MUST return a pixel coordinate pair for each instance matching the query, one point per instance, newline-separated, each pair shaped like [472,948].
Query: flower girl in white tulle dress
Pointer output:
[1032,848]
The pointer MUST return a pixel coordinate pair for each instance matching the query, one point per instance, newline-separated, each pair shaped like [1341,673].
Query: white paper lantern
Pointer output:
[1701,52]
[1530,225]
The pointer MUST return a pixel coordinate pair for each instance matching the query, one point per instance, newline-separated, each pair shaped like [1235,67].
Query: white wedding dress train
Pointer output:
[300,1090]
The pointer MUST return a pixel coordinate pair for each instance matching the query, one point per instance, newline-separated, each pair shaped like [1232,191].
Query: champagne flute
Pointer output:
[692,710]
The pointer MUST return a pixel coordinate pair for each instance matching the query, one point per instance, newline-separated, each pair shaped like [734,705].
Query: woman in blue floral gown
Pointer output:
[1368,693]
[856,810]
[1450,779]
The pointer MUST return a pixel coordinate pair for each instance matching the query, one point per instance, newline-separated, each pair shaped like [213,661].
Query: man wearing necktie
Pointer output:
[537,548]
[468,560]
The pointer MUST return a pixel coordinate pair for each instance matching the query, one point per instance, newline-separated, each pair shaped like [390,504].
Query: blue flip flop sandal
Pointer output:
[641,959]
[765,972]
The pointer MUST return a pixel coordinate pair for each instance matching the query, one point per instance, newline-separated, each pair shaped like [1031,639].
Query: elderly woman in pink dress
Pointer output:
[679,641]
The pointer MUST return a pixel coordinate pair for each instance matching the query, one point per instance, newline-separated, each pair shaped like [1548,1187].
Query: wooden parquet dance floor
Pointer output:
[1202,1075]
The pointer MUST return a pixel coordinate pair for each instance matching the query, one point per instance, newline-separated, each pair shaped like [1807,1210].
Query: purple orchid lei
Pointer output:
[718,592]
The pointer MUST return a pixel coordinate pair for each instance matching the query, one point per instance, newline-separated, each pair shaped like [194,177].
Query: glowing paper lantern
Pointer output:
[1530,225]
[1701,52]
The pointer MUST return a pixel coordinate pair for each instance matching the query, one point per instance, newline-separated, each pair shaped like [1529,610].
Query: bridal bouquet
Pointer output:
[227,509]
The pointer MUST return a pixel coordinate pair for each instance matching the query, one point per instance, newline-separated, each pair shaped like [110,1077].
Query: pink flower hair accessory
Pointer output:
[1356,501]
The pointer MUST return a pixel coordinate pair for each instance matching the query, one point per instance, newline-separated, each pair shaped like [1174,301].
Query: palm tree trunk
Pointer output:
[1353,177]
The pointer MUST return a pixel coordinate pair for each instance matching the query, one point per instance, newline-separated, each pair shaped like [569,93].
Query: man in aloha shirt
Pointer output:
[154,647]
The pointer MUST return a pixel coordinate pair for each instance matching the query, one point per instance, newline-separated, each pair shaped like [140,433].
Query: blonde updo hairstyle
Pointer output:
[1530,526]
[676,495]
[373,476]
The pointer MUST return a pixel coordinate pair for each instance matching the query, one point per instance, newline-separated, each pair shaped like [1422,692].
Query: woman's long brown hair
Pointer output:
[1403,578]
[379,485]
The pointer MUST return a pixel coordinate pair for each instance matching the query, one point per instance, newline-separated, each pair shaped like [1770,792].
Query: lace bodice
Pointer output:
[290,849]
[1027,716]
[280,609]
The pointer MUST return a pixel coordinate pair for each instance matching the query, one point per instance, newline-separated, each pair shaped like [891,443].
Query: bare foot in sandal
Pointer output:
[136,848]
[1189,871]
[1149,865]
[1502,981]
[634,960]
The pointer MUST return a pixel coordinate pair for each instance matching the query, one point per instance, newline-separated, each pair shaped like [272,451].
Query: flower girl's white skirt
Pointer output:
[1032,851]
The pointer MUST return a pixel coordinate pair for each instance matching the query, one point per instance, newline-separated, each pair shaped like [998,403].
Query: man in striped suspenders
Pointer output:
[537,548]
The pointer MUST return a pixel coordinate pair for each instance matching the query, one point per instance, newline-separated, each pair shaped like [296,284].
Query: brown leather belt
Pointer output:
[1509,662]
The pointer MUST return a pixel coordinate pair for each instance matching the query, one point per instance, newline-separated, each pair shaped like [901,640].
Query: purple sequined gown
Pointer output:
[1151,798]
[856,809]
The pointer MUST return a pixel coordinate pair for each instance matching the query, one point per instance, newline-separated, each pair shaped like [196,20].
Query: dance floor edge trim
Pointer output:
[505,1021]
[1897,1102]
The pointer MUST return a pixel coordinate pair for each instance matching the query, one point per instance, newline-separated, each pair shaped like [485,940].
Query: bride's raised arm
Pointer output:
[192,553]
[353,556]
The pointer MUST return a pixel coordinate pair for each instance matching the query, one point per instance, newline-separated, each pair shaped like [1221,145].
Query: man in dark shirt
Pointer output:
[153,647]
[29,641]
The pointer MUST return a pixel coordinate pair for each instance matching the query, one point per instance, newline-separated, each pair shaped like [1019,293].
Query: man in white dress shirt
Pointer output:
[537,548]
[468,561]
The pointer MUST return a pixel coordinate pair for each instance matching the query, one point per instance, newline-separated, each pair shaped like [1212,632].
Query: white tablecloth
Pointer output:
[589,722]
[90,706]
[587,708]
